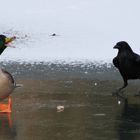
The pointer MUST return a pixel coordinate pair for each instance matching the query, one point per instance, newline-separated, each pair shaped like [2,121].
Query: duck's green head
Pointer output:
[4,41]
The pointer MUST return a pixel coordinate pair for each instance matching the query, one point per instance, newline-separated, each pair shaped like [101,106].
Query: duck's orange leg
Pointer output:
[6,108]
[9,104]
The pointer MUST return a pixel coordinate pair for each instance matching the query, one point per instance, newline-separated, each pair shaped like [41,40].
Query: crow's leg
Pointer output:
[124,86]
[120,89]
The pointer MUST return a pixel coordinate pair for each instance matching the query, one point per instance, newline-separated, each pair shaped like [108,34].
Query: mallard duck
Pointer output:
[7,83]
[4,41]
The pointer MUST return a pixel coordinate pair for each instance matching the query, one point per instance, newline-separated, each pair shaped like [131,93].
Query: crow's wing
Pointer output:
[116,62]
[137,59]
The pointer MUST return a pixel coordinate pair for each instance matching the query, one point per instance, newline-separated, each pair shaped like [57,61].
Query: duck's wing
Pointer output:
[9,76]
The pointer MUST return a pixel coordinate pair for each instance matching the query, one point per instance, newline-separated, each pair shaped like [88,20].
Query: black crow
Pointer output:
[127,62]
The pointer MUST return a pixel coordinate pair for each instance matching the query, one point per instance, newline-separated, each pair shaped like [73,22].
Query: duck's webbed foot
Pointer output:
[6,108]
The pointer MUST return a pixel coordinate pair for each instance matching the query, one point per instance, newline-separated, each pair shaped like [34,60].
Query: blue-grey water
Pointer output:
[85,90]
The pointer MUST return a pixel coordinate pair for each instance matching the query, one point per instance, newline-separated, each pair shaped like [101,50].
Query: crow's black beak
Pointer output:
[115,47]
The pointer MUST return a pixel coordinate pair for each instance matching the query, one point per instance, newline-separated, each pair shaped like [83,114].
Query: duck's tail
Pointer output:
[18,85]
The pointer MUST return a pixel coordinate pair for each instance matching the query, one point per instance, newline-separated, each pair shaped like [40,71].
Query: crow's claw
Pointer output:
[137,94]
[118,94]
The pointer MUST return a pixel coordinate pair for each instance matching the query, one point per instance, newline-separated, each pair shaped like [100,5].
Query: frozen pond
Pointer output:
[90,111]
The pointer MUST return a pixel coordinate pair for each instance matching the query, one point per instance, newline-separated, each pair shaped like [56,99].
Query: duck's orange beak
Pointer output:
[8,40]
